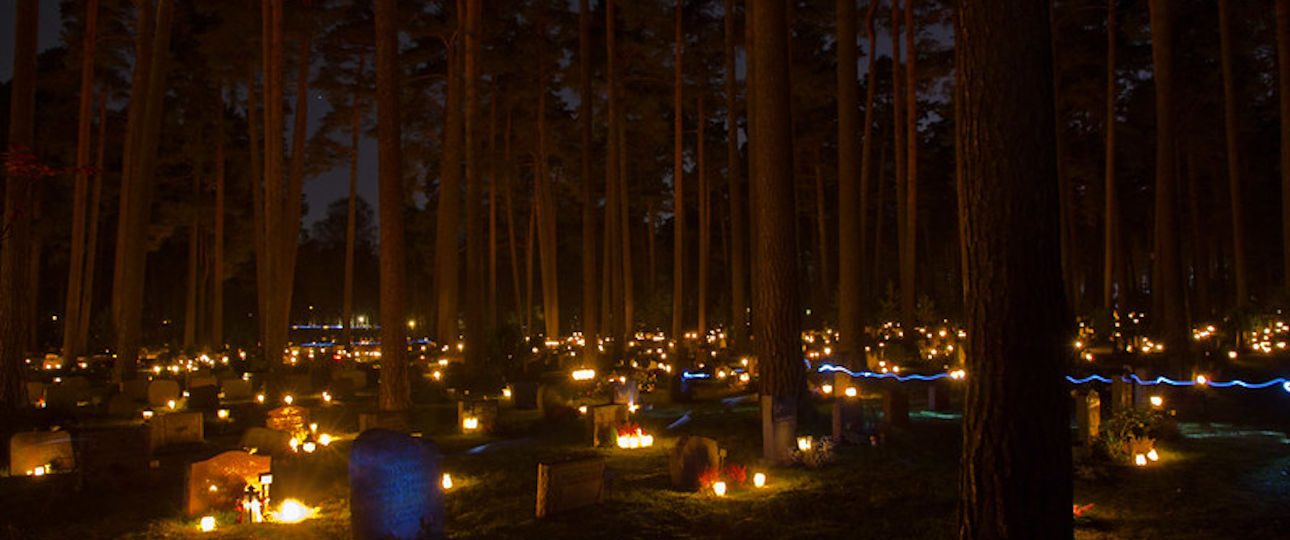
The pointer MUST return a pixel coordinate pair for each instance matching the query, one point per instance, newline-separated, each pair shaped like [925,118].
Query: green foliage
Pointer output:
[1129,430]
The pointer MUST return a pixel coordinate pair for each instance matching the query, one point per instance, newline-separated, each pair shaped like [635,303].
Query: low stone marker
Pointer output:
[64,397]
[200,381]
[204,398]
[266,441]
[691,456]
[484,412]
[394,487]
[570,484]
[121,406]
[32,449]
[1088,416]
[236,389]
[113,454]
[217,483]
[603,422]
[895,406]
[162,391]
[938,396]
[175,428]
[137,389]
[288,418]
[553,400]
[524,394]
[1121,395]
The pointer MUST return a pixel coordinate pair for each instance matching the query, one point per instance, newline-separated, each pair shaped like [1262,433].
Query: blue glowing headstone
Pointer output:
[394,487]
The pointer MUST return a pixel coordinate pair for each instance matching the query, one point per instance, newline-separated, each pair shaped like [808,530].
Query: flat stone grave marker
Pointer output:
[31,449]
[1088,416]
[1121,395]
[62,397]
[691,456]
[113,453]
[200,381]
[394,487]
[569,485]
[938,396]
[603,422]
[204,398]
[162,391]
[236,389]
[895,405]
[855,418]
[35,392]
[175,428]
[288,418]
[217,483]
[266,441]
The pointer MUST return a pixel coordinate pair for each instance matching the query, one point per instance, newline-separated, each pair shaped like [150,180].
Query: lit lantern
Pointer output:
[326,397]
[582,409]
[743,377]
[583,374]
[1157,401]
[437,375]
[1140,460]
[851,391]
[1153,455]
[207,524]
[39,471]
[288,399]
[324,439]
[827,389]
[292,511]
[309,446]
[222,414]
[506,392]
[259,398]
[469,423]
[759,480]
[147,414]
[1202,380]
[719,488]
[804,444]
[446,482]
[170,404]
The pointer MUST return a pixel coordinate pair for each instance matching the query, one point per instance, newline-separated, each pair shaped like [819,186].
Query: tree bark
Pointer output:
[705,226]
[589,301]
[17,218]
[678,191]
[546,219]
[351,210]
[909,243]
[775,293]
[76,258]
[91,237]
[1109,229]
[190,303]
[850,211]
[447,280]
[1283,96]
[1231,128]
[477,348]
[738,243]
[1015,481]
[1167,292]
[394,394]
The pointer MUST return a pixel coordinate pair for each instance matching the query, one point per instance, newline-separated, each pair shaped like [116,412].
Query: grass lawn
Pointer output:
[1220,480]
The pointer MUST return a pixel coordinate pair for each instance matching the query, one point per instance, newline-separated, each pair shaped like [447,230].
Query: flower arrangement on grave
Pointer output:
[250,508]
[1130,436]
[631,435]
[718,481]
[813,452]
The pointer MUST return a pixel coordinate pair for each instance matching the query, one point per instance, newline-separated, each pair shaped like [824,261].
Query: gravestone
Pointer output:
[524,394]
[394,487]
[938,396]
[62,397]
[389,420]
[35,392]
[175,428]
[849,419]
[137,389]
[569,484]
[204,398]
[342,388]
[199,381]
[236,389]
[266,441]
[217,483]
[77,382]
[32,449]
[300,384]
[1088,416]
[627,392]
[112,454]
[603,422]
[553,400]
[1121,395]
[895,406]
[288,418]
[356,377]
[121,406]
[780,421]
[161,392]
[691,456]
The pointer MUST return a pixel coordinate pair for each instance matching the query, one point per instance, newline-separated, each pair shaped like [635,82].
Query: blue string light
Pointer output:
[1282,381]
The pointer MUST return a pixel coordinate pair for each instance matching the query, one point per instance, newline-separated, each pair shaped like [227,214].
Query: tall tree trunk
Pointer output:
[1232,131]
[775,293]
[91,237]
[625,221]
[76,258]
[678,192]
[256,176]
[528,267]
[866,171]
[217,267]
[394,393]
[738,243]
[750,95]
[850,212]
[476,335]
[589,301]
[1109,229]
[17,218]
[879,218]
[136,206]
[1283,95]
[448,223]
[351,210]
[546,220]
[612,274]
[1167,292]
[275,334]
[900,148]
[1065,188]
[190,302]
[512,241]
[822,238]
[1015,481]
[705,227]
[289,240]
[908,254]
[492,211]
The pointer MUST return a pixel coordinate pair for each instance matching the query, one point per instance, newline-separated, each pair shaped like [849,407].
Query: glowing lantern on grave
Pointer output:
[583,374]
[292,511]
[719,488]
[804,444]
[1140,460]
[222,414]
[1153,455]
[469,423]
[1157,401]
[759,480]
[631,436]
[207,524]
[446,482]
[826,389]
[851,391]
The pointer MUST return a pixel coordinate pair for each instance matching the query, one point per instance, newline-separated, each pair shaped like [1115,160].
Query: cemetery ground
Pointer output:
[1229,476]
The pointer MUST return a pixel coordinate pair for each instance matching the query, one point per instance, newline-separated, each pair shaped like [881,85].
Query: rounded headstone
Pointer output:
[162,391]
[690,458]
[394,487]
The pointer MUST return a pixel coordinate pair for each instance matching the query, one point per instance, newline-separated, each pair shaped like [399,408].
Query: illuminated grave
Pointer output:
[394,484]
[216,484]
